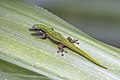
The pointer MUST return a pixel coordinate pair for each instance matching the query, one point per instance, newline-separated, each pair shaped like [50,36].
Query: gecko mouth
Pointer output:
[32,29]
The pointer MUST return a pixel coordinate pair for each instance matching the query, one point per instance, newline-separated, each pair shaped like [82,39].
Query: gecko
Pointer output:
[44,32]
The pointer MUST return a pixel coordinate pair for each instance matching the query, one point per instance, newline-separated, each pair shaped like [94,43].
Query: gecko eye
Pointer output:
[52,28]
[35,25]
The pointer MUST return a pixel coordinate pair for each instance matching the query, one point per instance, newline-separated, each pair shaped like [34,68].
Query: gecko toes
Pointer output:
[77,43]
[61,52]
[62,55]
[65,51]
[76,40]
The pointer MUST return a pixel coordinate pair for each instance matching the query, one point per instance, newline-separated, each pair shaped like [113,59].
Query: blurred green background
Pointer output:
[98,18]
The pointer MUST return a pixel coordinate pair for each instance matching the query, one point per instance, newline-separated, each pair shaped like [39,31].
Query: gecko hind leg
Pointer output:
[61,49]
[72,40]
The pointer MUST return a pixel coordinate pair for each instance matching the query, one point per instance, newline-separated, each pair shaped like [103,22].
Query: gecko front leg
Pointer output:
[72,40]
[61,49]
[43,36]
[40,34]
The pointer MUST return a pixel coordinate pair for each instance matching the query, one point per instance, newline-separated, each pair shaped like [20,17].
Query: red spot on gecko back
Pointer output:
[55,34]
[52,33]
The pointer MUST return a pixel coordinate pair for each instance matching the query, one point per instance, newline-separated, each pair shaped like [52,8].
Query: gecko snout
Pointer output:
[35,26]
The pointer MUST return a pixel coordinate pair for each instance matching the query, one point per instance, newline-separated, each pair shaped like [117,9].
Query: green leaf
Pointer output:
[30,56]
[12,72]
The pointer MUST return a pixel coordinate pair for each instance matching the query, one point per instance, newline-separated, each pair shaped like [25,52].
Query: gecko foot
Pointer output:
[62,52]
[61,49]
[73,40]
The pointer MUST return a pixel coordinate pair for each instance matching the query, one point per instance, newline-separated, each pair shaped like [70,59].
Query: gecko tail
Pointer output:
[102,66]
[82,53]
[88,57]
[92,60]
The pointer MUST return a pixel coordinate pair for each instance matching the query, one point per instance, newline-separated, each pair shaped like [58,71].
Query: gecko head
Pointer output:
[38,27]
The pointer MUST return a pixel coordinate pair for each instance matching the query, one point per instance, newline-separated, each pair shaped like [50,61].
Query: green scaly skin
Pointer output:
[59,38]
